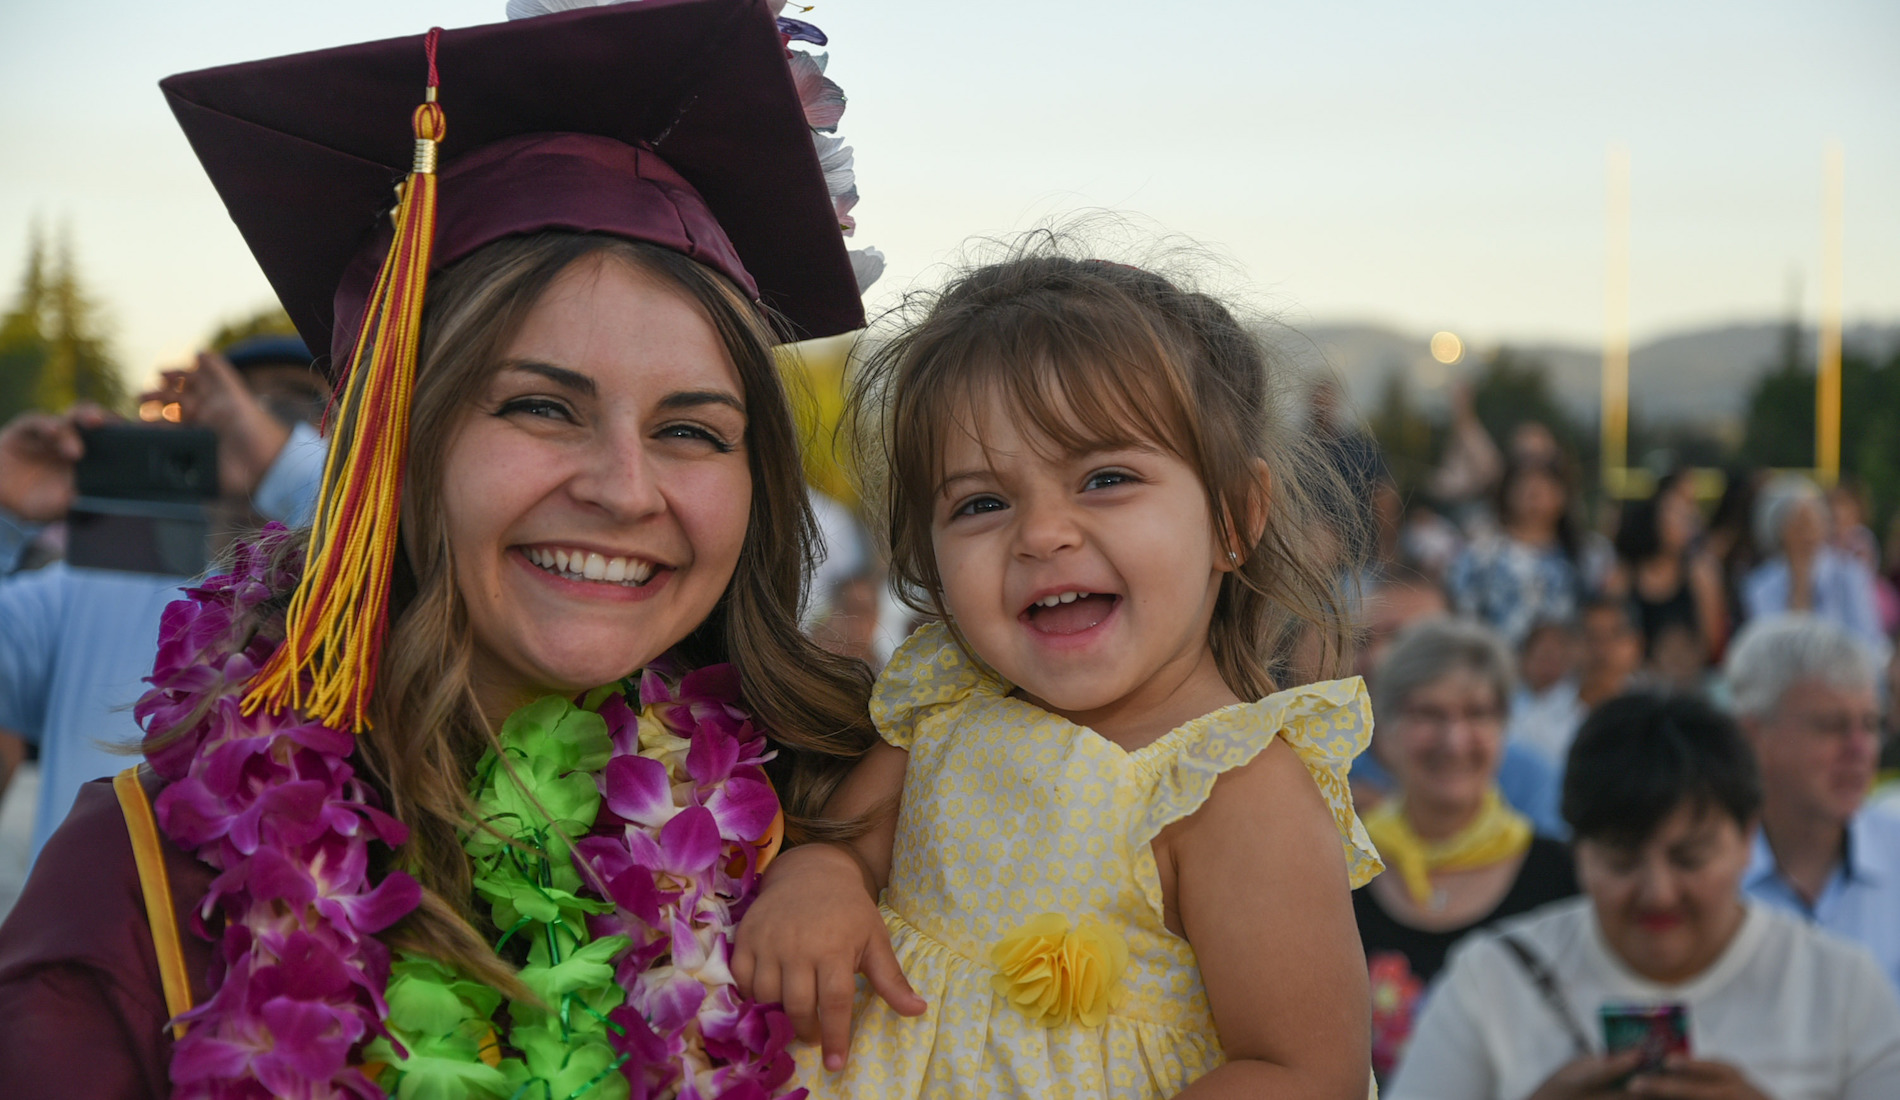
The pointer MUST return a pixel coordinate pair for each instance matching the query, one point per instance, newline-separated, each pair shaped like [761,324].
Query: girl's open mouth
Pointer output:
[1069,612]
[581,565]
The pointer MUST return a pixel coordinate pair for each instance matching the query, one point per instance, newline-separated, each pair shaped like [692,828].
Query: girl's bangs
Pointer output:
[1070,393]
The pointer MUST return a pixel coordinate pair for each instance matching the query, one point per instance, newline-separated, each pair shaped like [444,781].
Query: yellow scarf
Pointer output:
[1498,833]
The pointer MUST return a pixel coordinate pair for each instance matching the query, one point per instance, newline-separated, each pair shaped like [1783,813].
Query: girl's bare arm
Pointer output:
[1261,892]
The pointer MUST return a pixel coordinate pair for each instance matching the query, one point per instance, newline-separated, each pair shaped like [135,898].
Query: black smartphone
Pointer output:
[140,504]
[1658,1030]
[148,462]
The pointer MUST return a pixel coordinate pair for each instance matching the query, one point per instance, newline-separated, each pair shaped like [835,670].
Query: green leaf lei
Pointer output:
[447,1022]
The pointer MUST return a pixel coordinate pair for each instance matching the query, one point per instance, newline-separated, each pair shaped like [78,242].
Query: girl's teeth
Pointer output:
[581,564]
[1061,598]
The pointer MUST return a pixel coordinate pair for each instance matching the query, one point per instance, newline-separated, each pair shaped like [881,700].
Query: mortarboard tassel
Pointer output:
[337,618]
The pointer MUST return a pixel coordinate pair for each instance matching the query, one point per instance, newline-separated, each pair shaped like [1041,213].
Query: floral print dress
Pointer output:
[1024,902]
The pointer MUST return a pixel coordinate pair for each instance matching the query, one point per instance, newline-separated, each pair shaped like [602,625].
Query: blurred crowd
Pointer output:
[1662,718]
[1608,739]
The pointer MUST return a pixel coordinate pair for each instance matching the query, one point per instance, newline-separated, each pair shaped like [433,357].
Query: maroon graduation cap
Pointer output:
[355,172]
[706,151]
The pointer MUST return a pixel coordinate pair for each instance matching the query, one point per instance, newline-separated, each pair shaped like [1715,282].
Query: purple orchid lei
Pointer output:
[687,817]
[674,830]
[272,803]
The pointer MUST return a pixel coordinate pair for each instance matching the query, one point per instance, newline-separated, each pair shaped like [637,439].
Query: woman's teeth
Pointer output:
[1059,598]
[586,565]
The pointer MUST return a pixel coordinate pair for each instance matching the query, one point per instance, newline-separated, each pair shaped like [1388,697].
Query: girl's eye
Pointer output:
[977,506]
[696,433]
[1108,479]
[545,408]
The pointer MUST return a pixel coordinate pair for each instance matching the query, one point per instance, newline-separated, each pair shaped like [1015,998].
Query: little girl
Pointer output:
[1120,863]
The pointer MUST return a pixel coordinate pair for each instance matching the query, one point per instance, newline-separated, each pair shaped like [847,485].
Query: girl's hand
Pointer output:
[812,929]
[1686,1079]
[1589,1078]
[815,924]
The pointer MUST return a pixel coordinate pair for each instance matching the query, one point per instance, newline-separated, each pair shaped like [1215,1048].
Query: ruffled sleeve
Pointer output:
[1327,723]
[927,676]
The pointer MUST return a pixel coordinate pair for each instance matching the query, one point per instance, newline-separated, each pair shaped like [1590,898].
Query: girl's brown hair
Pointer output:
[427,730]
[1092,355]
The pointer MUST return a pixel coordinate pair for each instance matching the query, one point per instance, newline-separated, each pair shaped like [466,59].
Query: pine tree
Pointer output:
[23,349]
[79,366]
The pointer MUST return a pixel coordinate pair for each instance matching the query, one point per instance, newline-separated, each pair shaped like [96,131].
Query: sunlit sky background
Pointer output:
[1431,166]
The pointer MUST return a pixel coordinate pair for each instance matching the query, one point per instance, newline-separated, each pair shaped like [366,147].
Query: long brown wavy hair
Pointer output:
[427,730]
[1089,354]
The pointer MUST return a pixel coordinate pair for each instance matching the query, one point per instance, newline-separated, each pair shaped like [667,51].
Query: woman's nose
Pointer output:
[1656,884]
[619,476]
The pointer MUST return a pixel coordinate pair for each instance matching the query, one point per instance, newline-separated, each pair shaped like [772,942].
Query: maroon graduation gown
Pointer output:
[82,1008]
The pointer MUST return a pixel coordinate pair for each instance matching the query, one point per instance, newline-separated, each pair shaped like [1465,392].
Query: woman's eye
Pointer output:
[545,408]
[696,433]
[1622,865]
[1690,861]
[977,506]
[1108,479]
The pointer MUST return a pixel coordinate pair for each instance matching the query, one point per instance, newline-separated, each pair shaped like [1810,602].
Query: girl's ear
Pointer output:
[1247,534]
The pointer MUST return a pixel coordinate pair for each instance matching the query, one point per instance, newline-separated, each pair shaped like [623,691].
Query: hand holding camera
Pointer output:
[38,454]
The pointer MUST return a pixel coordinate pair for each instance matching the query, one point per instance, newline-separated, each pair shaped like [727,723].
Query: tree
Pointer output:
[1514,389]
[1407,437]
[1780,427]
[53,346]
[79,366]
[22,341]
[268,321]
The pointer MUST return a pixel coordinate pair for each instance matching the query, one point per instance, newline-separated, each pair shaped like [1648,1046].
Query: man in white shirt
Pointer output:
[1804,691]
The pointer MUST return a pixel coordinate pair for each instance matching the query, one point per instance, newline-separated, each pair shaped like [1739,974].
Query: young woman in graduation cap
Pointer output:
[460,792]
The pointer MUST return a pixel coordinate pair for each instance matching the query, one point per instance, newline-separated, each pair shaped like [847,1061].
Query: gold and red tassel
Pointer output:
[334,631]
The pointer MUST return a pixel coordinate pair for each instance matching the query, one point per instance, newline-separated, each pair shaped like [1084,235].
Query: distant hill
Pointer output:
[1700,376]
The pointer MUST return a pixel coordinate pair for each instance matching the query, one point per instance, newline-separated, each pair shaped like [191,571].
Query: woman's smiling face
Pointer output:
[1669,904]
[1088,580]
[597,492]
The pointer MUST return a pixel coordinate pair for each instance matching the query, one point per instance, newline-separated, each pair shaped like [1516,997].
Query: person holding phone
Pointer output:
[78,641]
[1663,795]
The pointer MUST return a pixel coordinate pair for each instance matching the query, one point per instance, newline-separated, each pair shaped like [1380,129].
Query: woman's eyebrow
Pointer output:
[560,376]
[688,399]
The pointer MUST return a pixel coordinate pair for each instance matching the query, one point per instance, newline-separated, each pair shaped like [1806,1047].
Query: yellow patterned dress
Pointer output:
[1024,902]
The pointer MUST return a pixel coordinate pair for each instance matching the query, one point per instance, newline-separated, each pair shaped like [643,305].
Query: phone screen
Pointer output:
[139,508]
[1658,1030]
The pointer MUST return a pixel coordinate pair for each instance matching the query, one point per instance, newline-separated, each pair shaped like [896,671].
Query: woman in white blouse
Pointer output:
[1662,796]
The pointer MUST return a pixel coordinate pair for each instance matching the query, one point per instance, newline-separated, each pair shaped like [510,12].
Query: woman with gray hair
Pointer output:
[1458,857]
[1803,572]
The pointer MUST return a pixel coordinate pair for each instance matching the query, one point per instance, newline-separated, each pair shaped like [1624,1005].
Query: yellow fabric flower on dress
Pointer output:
[1054,972]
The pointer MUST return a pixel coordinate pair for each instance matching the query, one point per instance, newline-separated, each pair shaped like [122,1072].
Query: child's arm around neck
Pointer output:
[811,931]
[1256,881]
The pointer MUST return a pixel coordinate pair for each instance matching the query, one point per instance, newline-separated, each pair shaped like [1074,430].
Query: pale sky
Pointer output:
[1425,165]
